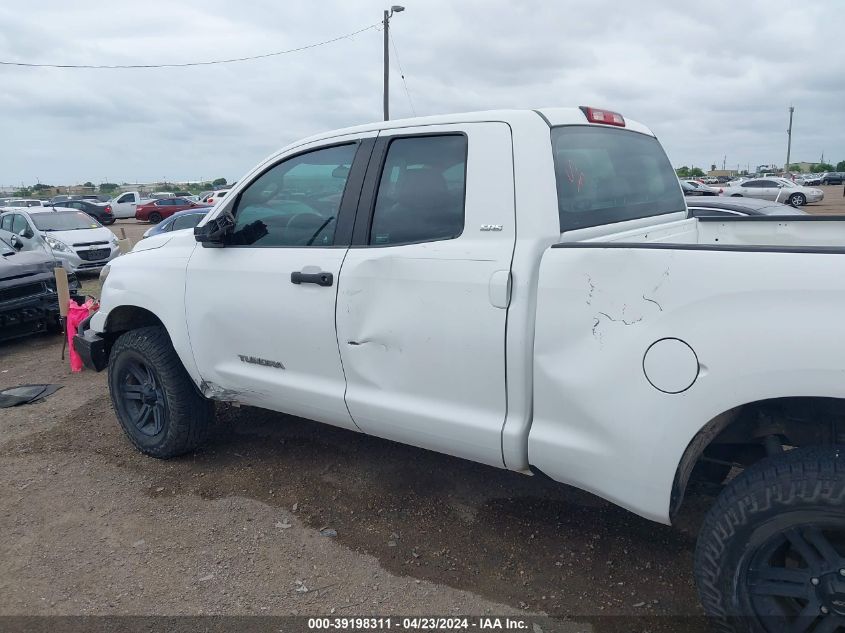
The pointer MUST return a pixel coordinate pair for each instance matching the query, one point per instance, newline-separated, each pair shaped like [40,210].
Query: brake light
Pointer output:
[594,115]
[108,208]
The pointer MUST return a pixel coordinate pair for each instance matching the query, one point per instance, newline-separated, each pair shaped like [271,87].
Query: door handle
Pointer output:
[320,279]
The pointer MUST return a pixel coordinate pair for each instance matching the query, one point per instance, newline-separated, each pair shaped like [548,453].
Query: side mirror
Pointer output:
[213,233]
[16,243]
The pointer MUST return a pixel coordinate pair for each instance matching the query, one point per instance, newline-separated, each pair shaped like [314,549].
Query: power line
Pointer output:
[402,73]
[206,63]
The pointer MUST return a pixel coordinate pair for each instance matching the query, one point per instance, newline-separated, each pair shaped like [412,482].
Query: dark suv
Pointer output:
[833,178]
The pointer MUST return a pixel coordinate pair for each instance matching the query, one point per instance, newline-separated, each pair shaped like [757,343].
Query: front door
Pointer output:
[261,309]
[424,290]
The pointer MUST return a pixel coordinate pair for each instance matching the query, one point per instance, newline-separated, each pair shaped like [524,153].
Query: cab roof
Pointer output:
[552,116]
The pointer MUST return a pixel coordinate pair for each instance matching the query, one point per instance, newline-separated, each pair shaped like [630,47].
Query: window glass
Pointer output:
[188,221]
[6,222]
[752,184]
[18,223]
[607,175]
[126,197]
[64,221]
[296,202]
[421,192]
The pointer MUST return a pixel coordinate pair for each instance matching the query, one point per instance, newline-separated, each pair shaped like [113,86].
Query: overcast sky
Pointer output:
[711,80]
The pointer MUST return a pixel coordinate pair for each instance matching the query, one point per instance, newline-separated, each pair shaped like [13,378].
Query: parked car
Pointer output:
[102,211]
[810,180]
[554,312]
[28,299]
[159,195]
[187,219]
[705,190]
[721,206]
[216,196]
[691,190]
[833,178]
[778,189]
[74,238]
[25,203]
[155,211]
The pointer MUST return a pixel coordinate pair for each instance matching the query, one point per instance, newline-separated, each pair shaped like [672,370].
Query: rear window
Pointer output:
[607,175]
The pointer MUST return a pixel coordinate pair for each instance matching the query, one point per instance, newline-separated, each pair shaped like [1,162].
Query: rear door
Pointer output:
[424,290]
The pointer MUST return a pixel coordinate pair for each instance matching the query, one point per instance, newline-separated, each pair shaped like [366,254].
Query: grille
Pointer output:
[89,243]
[90,256]
[19,292]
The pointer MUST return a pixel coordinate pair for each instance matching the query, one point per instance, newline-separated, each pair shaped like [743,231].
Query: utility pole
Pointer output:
[387,15]
[789,138]
[724,160]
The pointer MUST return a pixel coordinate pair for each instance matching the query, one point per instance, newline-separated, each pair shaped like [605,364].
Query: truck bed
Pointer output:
[741,310]
[802,233]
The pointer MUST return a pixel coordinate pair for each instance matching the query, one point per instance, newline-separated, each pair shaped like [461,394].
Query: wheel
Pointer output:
[155,217]
[107,222]
[155,401]
[771,551]
[797,199]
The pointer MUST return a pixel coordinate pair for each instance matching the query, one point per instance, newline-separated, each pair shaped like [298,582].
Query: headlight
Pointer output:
[104,272]
[56,245]
[114,240]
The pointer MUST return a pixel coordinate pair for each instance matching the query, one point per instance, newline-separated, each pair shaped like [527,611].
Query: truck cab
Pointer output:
[123,205]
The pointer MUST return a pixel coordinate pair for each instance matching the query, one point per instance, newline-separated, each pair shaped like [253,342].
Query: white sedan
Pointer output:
[779,189]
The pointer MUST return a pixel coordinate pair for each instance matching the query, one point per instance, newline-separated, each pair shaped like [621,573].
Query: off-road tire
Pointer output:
[186,414]
[801,488]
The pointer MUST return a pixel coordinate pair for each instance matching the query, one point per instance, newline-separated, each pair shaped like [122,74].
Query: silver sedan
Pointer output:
[778,189]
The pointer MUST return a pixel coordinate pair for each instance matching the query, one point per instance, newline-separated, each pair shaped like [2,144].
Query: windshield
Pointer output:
[607,175]
[64,221]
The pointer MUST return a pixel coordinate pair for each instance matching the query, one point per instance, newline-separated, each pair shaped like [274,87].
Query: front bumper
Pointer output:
[23,312]
[28,316]
[78,264]
[91,347]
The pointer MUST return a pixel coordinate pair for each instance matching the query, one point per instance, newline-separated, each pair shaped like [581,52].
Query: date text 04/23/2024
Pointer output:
[419,624]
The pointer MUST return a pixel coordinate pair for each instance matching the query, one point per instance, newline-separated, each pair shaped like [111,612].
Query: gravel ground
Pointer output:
[281,516]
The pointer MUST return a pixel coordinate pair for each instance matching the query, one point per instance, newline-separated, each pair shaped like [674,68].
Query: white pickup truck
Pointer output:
[123,205]
[522,289]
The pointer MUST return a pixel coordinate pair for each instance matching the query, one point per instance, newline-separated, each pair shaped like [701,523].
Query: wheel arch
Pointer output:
[130,317]
[739,435]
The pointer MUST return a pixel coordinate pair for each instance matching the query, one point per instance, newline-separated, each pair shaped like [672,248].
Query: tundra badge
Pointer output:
[260,361]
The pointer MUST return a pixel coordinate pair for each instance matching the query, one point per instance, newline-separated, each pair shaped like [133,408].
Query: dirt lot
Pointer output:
[89,526]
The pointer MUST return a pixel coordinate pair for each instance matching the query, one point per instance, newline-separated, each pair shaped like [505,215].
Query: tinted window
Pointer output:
[607,175]
[769,183]
[295,203]
[186,221]
[752,183]
[127,197]
[421,192]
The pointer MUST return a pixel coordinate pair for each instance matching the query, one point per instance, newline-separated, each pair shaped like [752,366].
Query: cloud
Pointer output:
[710,83]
